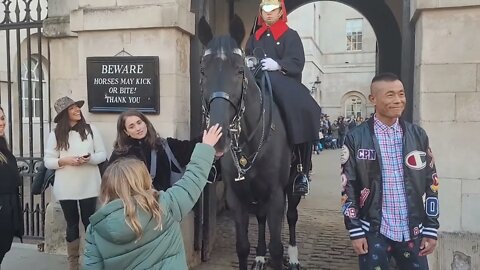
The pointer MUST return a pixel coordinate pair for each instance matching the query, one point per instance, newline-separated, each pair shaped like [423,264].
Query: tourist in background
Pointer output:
[11,214]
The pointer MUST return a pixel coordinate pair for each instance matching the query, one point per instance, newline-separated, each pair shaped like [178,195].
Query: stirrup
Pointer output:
[301,185]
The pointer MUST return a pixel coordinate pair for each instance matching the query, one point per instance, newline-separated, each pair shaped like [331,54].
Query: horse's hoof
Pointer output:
[259,266]
[294,266]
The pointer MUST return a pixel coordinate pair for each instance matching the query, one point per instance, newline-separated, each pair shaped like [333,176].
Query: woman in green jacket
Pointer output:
[138,227]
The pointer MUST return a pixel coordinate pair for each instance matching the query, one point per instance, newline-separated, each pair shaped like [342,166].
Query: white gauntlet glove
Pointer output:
[270,65]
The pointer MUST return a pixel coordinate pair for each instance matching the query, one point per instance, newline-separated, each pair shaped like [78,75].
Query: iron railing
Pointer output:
[26,92]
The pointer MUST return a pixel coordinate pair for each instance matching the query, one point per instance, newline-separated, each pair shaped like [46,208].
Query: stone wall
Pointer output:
[447,98]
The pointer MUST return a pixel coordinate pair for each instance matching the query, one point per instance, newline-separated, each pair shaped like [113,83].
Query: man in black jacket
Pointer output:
[390,184]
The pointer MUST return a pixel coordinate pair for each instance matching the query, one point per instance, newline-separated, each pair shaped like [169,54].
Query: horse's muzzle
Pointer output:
[223,145]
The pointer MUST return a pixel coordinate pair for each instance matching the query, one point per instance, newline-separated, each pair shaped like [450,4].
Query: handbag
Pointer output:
[42,179]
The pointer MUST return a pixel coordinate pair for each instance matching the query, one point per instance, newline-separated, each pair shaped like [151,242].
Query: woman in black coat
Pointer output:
[283,57]
[137,137]
[11,218]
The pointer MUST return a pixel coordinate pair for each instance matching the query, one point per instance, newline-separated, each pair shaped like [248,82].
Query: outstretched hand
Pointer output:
[212,136]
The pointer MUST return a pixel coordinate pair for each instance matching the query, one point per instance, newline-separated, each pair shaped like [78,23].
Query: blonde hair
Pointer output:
[128,179]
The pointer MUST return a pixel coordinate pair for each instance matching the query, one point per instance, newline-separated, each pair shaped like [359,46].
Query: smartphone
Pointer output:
[86,156]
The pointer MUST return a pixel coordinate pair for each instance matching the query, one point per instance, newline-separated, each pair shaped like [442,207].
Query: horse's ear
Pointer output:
[237,29]
[204,31]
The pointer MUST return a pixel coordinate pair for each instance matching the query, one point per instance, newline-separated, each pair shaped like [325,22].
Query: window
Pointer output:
[354,31]
[36,87]
[353,106]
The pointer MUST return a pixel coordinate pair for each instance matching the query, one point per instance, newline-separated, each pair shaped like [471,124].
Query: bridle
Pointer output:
[241,161]
[234,126]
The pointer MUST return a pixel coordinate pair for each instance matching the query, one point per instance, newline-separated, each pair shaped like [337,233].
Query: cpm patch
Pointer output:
[366,154]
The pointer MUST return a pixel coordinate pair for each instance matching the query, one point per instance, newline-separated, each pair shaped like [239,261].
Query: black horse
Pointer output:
[257,158]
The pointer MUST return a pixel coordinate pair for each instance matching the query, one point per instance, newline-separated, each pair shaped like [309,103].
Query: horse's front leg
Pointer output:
[240,216]
[260,263]
[292,218]
[242,244]
[275,219]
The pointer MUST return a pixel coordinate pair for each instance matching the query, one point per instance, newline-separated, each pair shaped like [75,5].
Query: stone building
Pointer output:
[340,50]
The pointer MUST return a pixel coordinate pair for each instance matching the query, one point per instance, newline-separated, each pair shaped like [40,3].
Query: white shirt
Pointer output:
[76,182]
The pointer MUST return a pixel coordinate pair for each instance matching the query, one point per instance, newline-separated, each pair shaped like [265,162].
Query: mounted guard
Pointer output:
[281,52]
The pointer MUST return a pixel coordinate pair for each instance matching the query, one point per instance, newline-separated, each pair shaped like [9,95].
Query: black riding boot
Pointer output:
[301,185]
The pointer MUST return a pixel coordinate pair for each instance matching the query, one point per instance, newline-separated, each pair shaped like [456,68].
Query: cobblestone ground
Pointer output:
[322,242]
[322,239]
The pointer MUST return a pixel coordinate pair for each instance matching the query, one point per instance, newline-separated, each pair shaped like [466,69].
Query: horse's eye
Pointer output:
[241,71]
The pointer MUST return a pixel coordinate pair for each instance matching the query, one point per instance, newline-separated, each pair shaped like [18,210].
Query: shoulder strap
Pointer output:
[153,163]
[171,156]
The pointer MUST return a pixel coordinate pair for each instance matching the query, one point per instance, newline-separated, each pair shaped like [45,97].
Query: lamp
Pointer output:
[315,85]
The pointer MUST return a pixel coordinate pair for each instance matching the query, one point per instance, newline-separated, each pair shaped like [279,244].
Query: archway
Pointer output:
[386,28]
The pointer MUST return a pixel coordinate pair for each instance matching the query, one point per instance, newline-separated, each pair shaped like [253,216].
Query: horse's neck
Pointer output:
[253,102]
[253,112]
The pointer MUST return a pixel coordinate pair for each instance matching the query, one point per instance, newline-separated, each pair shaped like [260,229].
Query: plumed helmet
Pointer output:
[269,5]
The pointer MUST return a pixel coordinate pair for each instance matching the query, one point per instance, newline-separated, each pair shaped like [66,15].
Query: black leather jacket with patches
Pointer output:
[363,188]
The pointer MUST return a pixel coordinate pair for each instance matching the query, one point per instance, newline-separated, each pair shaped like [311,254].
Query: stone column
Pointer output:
[160,28]
[447,102]
[140,28]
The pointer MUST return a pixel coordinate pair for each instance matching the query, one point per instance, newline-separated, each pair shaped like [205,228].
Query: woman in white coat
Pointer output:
[74,149]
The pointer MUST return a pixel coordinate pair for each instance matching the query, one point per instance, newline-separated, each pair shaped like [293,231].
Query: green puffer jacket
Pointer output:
[111,244]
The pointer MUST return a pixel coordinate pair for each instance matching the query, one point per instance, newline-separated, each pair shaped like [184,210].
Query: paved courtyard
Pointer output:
[322,240]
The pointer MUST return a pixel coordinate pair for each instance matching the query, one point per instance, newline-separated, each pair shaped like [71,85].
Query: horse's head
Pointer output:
[223,80]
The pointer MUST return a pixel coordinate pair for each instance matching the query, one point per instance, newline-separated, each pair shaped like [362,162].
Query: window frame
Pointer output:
[355,102]
[354,34]
[35,91]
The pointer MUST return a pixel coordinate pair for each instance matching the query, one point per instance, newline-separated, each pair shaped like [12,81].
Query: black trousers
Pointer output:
[7,222]
[70,211]
[6,243]
[381,249]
